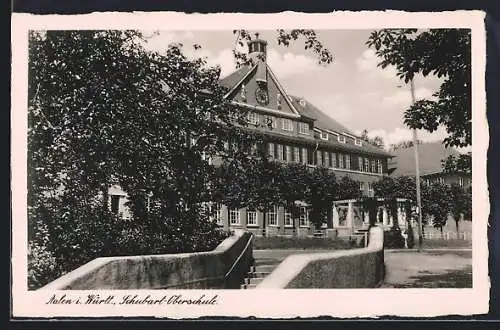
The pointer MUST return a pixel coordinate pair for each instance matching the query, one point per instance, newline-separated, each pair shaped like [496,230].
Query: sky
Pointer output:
[352,89]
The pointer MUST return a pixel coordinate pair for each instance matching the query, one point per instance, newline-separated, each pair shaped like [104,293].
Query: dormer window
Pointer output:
[358,142]
[286,125]
[302,102]
[341,138]
[323,135]
[303,128]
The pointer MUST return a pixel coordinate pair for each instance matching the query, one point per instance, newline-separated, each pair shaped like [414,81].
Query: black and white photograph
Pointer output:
[177,167]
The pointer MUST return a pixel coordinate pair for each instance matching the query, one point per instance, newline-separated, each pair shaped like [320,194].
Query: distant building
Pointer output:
[431,156]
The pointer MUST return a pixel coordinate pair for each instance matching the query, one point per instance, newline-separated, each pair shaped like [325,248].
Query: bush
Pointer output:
[42,265]
[393,239]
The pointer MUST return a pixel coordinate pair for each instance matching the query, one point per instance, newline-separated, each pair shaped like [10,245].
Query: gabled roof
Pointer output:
[429,155]
[232,79]
[290,106]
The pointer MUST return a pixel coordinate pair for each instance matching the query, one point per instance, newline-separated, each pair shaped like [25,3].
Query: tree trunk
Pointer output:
[457,224]
[441,229]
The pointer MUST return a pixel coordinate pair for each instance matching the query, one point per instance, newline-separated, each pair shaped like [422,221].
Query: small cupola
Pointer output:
[257,49]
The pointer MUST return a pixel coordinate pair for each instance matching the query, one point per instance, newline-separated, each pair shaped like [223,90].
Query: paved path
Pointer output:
[443,268]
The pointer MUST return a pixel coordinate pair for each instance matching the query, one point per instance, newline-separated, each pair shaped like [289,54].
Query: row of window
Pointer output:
[272,217]
[323,158]
[272,122]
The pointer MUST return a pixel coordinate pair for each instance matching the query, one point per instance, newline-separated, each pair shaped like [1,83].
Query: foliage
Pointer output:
[436,203]
[376,141]
[461,164]
[445,53]
[403,145]
[461,203]
[311,42]
[393,238]
[149,127]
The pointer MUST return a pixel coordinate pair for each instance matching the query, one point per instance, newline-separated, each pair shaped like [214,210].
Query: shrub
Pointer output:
[393,239]
[42,265]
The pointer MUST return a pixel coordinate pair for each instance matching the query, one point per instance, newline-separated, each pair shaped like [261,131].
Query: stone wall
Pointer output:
[356,268]
[224,267]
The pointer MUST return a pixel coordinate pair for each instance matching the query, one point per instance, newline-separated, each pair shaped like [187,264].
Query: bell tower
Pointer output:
[257,52]
[257,49]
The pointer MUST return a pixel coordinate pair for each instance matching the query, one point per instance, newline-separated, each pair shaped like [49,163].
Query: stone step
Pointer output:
[253,280]
[251,286]
[264,269]
[258,274]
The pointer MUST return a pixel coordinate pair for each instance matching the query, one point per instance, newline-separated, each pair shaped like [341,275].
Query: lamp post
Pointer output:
[417,173]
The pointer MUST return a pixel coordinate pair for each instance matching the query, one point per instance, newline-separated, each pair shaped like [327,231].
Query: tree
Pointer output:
[321,192]
[438,203]
[461,164]
[102,110]
[445,53]
[461,204]
[376,141]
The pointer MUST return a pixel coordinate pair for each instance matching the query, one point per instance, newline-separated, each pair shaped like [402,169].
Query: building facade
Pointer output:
[295,131]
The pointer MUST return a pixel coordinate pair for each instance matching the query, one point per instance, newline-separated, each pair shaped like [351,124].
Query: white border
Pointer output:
[260,303]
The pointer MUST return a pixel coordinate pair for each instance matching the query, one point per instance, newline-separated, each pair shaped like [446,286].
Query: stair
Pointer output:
[258,271]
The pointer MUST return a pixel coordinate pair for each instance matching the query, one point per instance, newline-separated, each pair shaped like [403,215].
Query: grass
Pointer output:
[442,243]
[264,243]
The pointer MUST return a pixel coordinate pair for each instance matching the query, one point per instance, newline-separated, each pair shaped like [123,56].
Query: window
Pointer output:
[367,165]
[271,150]
[334,160]
[327,159]
[361,186]
[115,204]
[253,118]
[216,213]
[358,142]
[341,160]
[288,218]
[341,138]
[296,154]
[234,217]
[286,125]
[304,128]
[371,192]
[319,158]
[379,166]
[304,217]
[348,161]
[270,122]
[461,182]
[360,163]
[288,153]
[279,150]
[374,170]
[251,218]
[323,136]
[441,180]
[304,155]
[273,216]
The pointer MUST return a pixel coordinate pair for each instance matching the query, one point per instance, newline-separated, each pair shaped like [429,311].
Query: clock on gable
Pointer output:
[261,96]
